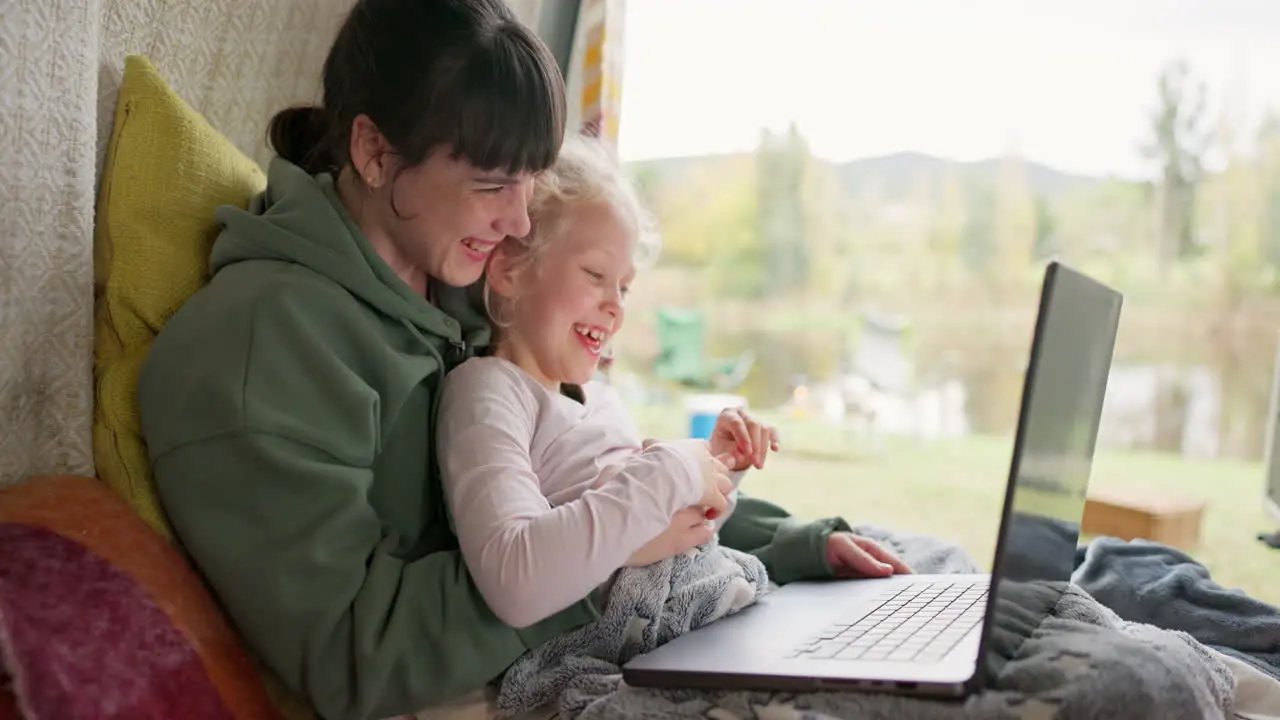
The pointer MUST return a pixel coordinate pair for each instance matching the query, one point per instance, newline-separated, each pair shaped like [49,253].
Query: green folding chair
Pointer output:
[682,356]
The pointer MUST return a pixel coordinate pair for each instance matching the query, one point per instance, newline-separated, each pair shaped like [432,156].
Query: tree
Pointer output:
[1177,145]
[1015,222]
[1046,244]
[948,232]
[1269,152]
[702,212]
[1235,205]
[978,238]
[830,252]
[737,266]
[781,162]
[1111,217]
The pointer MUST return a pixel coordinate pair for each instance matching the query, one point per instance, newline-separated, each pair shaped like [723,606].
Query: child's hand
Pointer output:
[688,529]
[716,484]
[739,434]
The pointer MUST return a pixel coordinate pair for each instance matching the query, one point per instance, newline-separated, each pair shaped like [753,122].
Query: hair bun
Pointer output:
[298,134]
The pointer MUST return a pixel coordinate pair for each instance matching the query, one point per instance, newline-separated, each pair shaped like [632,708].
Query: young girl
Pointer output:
[550,487]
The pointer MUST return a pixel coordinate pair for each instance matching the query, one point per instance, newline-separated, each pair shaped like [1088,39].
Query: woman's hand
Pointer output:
[688,529]
[852,556]
[742,436]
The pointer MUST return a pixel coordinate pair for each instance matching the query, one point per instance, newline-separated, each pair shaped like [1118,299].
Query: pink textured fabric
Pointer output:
[84,641]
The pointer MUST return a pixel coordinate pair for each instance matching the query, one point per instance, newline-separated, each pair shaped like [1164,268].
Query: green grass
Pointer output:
[953,489]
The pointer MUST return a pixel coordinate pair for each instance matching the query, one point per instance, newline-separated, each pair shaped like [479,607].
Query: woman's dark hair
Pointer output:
[461,74]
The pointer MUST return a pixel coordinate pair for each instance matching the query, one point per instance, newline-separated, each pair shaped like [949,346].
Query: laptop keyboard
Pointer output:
[922,621]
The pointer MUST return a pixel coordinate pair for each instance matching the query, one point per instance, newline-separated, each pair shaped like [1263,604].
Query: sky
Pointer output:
[1070,85]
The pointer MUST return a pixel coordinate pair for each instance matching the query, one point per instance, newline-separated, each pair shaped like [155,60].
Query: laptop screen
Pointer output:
[1063,390]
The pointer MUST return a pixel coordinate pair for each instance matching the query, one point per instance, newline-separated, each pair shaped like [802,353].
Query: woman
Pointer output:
[286,406]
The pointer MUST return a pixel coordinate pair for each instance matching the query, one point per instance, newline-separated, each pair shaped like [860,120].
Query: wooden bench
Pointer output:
[1171,520]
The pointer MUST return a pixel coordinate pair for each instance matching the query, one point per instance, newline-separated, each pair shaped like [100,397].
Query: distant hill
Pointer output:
[895,176]
[901,173]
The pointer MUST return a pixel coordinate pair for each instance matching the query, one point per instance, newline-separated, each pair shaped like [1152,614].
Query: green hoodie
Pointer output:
[287,410]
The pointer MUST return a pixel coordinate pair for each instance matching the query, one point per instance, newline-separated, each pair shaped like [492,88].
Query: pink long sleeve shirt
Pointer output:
[550,496]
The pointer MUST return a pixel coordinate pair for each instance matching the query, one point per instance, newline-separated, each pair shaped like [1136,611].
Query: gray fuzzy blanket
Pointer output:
[1147,582]
[647,607]
[1084,662]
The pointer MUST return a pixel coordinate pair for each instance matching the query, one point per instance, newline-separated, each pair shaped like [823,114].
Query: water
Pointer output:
[1147,407]
[1164,408]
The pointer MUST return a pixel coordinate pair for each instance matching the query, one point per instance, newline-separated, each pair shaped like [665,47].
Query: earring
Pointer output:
[372,174]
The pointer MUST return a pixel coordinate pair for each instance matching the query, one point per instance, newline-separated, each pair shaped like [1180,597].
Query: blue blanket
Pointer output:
[1147,582]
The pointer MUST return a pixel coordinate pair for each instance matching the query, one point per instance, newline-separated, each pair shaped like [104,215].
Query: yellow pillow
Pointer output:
[166,171]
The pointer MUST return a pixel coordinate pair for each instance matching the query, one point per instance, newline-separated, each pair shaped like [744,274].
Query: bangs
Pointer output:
[505,105]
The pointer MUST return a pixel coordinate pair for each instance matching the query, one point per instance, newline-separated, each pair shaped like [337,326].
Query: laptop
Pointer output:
[938,635]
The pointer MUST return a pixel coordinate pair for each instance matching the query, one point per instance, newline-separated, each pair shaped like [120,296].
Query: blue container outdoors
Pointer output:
[703,411]
[702,424]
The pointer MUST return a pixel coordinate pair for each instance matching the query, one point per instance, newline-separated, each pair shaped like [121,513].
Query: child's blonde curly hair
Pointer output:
[585,174]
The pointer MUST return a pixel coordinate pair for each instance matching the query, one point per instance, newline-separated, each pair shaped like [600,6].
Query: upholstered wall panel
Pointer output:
[235,61]
[48,79]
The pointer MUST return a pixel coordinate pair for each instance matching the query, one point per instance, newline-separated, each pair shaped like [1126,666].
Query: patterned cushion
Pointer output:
[8,705]
[166,171]
[102,617]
